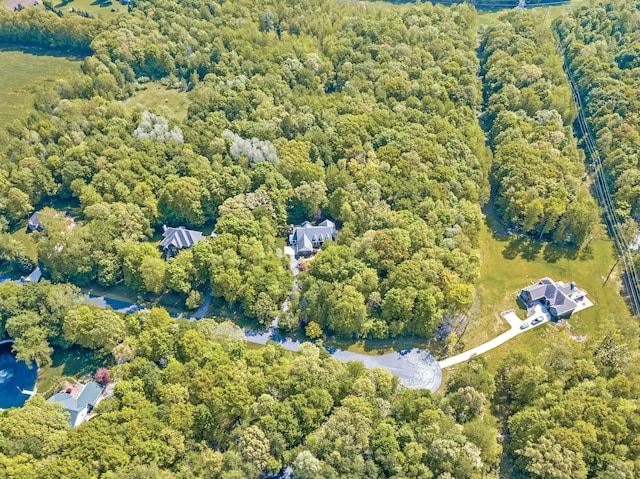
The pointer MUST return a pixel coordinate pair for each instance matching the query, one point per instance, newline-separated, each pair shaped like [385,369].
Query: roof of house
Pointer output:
[34,277]
[556,294]
[88,396]
[180,237]
[34,221]
[306,234]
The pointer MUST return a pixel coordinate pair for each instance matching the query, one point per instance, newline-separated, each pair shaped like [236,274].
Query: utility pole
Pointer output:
[617,261]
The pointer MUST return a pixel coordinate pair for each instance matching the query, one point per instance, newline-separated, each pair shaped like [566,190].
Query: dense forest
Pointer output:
[370,115]
[538,169]
[365,115]
[191,401]
[602,45]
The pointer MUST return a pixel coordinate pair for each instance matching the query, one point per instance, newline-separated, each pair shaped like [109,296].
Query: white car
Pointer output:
[524,325]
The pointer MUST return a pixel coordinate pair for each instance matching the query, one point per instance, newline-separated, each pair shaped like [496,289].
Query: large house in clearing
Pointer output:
[305,238]
[82,404]
[560,299]
[175,239]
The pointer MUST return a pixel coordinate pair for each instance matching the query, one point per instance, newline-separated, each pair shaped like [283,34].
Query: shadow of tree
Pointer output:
[586,253]
[530,249]
[526,248]
[553,253]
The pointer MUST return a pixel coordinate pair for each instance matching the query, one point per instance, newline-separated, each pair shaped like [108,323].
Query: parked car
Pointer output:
[524,325]
[537,320]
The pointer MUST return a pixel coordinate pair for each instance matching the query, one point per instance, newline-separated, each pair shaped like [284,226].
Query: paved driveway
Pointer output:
[293,261]
[514,322]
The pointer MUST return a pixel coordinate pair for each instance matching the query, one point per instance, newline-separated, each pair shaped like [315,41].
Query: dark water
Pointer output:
[14,377]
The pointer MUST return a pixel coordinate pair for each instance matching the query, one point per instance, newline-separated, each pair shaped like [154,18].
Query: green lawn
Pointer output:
[104,9]
[21,72]
[31,249]
[154,96]
[509,264]
[73,362]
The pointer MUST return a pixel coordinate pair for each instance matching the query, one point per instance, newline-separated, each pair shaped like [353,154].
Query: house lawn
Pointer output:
[30,247]
[510,263]
[74,362]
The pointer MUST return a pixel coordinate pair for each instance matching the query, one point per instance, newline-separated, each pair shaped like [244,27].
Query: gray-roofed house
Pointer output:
[175,239]
[34,223]
[79,407]
[306,237]
[559,298]
[34,277]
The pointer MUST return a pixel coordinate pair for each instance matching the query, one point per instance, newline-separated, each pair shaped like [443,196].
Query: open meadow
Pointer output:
[104,9]
[22,72]
[168,102]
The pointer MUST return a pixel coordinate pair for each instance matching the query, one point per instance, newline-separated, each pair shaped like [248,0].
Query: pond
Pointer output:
[15,376]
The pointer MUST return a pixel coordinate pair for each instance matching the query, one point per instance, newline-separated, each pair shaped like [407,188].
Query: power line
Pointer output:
[614,225]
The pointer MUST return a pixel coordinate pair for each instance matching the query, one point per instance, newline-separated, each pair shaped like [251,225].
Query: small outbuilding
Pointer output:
[176,239]
[306,237]
[78,407]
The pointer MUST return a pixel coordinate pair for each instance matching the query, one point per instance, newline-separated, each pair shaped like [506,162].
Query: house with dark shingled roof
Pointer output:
[176,239]
[34,223]
[559,298]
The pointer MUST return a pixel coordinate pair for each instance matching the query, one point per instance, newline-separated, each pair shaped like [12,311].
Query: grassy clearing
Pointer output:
[509,264]
[31,249]
[154,96]
[21,72]
[73,362]
[546,15]
[104,9]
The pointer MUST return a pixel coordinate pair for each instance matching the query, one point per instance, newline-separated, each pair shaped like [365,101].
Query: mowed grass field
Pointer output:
[104,9]
[509,264]
[21,72]
[155,96]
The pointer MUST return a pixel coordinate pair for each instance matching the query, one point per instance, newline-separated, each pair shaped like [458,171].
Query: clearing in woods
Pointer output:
[22,72]
[510,263]
[154,96]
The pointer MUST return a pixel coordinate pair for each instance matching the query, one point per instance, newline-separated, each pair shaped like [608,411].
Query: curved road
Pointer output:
[415,368]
